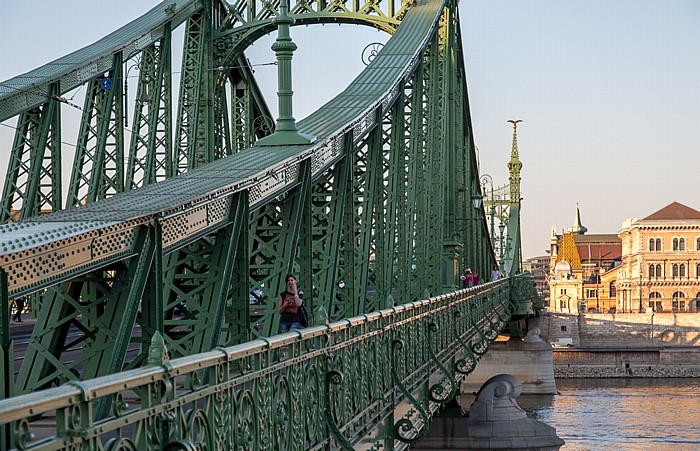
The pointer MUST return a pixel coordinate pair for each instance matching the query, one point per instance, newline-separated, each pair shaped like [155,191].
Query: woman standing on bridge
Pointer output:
[288,305]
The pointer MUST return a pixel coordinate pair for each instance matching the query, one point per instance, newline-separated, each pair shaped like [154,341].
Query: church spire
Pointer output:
[514,165]
[578,228]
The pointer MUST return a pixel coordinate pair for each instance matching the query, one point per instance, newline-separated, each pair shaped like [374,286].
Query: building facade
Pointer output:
[583,270]
[539,268]
[661,261]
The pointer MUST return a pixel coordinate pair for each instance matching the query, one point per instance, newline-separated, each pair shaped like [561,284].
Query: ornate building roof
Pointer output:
[674,212]
[568,251]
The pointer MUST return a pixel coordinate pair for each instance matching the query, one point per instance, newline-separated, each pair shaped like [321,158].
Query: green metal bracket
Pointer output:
[404,426]
[437,391]
[334,377]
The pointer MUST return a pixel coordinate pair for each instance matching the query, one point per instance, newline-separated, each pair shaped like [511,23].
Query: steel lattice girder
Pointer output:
[281,235]
[151,149]
[34,172]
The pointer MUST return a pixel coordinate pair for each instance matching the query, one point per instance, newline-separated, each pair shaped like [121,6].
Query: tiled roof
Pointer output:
[600,251]
[568,251]
[674,212]
[607,238]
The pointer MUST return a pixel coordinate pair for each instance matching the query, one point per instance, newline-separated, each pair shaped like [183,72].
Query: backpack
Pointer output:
[303,316]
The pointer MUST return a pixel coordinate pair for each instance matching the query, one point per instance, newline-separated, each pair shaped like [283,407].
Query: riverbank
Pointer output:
[620,363]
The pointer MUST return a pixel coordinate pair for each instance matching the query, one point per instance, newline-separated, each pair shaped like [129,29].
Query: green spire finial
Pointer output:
[286,132]
[514,165]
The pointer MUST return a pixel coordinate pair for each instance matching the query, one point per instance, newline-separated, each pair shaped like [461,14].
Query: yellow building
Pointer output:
[660,261]
[583,270]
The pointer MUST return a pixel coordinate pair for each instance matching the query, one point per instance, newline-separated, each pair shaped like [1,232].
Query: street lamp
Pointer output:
[476,201]
[486,178]
[501,227]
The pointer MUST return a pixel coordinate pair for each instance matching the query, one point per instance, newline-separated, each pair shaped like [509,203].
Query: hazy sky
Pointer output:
[609,92]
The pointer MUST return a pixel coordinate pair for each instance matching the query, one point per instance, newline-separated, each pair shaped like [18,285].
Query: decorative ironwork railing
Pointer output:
[376,377]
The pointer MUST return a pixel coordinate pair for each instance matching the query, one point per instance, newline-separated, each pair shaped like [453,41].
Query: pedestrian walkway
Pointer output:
[24,327]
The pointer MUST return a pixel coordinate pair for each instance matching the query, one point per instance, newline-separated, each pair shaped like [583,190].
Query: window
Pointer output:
[697,270]
[563,328]
[658,244]
[613,290]
[562,305]
[681,270]
[654,295]
[675,244]
[681,244]
[652,271]
[651,244]
[658,270]
[677,304]
[590,293]
[674,270]
[563,291]
[697,244]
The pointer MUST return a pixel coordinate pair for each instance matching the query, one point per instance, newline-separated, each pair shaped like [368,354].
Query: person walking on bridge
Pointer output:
[19,304]
[288,305]
[495,274]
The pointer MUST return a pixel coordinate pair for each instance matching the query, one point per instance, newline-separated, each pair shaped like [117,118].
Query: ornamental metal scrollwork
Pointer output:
[483,344]
[23,435]
[334,377]
[312,405]
[437,391]
[198,429]
[282,412]
[120,444]
[246,422]
[119,406]
[405,425]
[461,365]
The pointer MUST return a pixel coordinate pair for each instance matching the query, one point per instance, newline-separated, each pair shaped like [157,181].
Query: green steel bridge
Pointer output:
[201,205]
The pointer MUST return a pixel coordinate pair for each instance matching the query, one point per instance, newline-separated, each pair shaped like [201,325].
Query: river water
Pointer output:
[621,414]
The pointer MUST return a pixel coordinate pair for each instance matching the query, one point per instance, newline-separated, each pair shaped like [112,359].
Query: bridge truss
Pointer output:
[192,216]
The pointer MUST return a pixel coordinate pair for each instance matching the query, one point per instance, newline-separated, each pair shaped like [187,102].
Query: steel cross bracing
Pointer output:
[376,213]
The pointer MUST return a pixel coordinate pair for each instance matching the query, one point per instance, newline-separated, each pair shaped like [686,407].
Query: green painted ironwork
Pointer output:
[373,216]
[269,393]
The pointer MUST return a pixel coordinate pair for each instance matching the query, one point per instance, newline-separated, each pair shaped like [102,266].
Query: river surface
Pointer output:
[621,414]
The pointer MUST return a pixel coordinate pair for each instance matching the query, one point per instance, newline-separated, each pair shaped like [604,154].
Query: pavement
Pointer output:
[25,327]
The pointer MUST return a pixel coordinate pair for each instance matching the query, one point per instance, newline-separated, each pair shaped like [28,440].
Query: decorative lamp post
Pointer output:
[286,132]
[501,228]
[486,178]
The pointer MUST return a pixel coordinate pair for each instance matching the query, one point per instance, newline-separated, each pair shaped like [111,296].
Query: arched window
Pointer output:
[677,303]
[681,244]
[697,244]
[654,295]
[658,244]
[613,290]
[681,270]
[655,301]
[674,271]
[675,244]
[658,270]
[651,244]
[697,270]
[652,271]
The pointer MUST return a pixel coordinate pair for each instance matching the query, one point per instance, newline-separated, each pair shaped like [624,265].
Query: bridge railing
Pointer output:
[379,375]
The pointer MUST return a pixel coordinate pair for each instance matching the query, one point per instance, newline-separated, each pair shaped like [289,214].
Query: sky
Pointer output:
[608,91]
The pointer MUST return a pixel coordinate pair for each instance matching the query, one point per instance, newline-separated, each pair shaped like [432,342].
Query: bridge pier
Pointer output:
[529,360]
[495,421]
